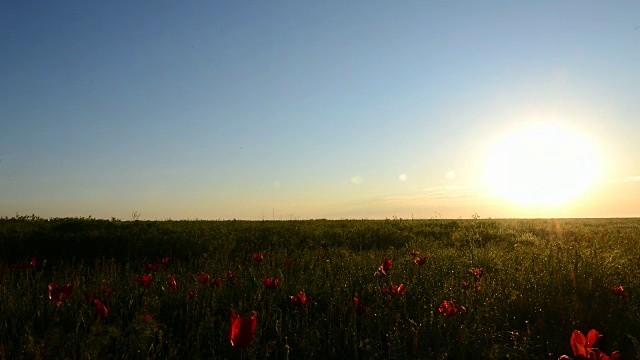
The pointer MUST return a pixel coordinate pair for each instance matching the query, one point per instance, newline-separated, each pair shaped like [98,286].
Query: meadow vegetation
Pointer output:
[540,280]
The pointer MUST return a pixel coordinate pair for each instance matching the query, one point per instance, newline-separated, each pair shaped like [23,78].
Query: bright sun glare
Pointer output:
[542,164]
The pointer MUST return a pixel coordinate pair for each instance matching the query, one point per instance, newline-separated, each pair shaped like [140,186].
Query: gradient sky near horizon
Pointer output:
[218,109]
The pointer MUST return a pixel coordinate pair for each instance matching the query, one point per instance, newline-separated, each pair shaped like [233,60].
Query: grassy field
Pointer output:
[540,281]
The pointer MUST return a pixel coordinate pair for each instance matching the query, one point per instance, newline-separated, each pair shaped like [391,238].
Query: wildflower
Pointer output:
[287,262]
[619,291]
[477,273]
[29,265]
[203,278]
[33,262]
[394,290]
[420,260]
[231,276]
[216,282]
[100,310]
[144,280]
[163,261]
[384,267]
[448,308]
[270,283]
[360,308]
[151,267]
[258,257]
[465,285]
[106,289]
[192,293]
[146,317]
[172,282]
[58,295]
[241,330]
[300,299]
[414,253]
[386,264]
[582,347]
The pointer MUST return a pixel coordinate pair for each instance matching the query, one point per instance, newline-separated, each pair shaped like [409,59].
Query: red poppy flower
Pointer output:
[300,299]
[287,262]
[192,294]
[477,273]
[360,308]
[394,290]
[241,330]
[386,264]
[144,280]
[271,283]
[106,289]
[100,310]
[384,267]
[230,276]
[151,267]
[465,285]
[448,308]
[420,260]
[203,278]
[258,257]
[29,265]
[582,347]
[58,295]
[146,317]
[414,253]
[619,291]
[216,283]
[163,261]
[172,282]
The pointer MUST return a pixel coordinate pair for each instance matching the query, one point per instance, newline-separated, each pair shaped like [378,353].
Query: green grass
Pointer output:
[542,280]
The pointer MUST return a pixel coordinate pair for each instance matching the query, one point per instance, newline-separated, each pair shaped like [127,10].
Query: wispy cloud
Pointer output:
[440,195]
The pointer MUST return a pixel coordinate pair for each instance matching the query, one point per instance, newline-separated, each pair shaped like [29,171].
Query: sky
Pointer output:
[219,109]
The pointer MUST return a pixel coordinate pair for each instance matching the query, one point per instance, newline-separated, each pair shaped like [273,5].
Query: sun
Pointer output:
[542,164]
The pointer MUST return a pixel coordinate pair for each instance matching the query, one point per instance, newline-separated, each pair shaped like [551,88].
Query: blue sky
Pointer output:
[300,109]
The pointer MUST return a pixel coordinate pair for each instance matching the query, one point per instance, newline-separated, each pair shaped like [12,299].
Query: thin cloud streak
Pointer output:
[441,195]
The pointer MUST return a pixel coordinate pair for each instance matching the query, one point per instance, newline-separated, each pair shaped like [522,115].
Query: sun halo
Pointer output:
[542,164]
